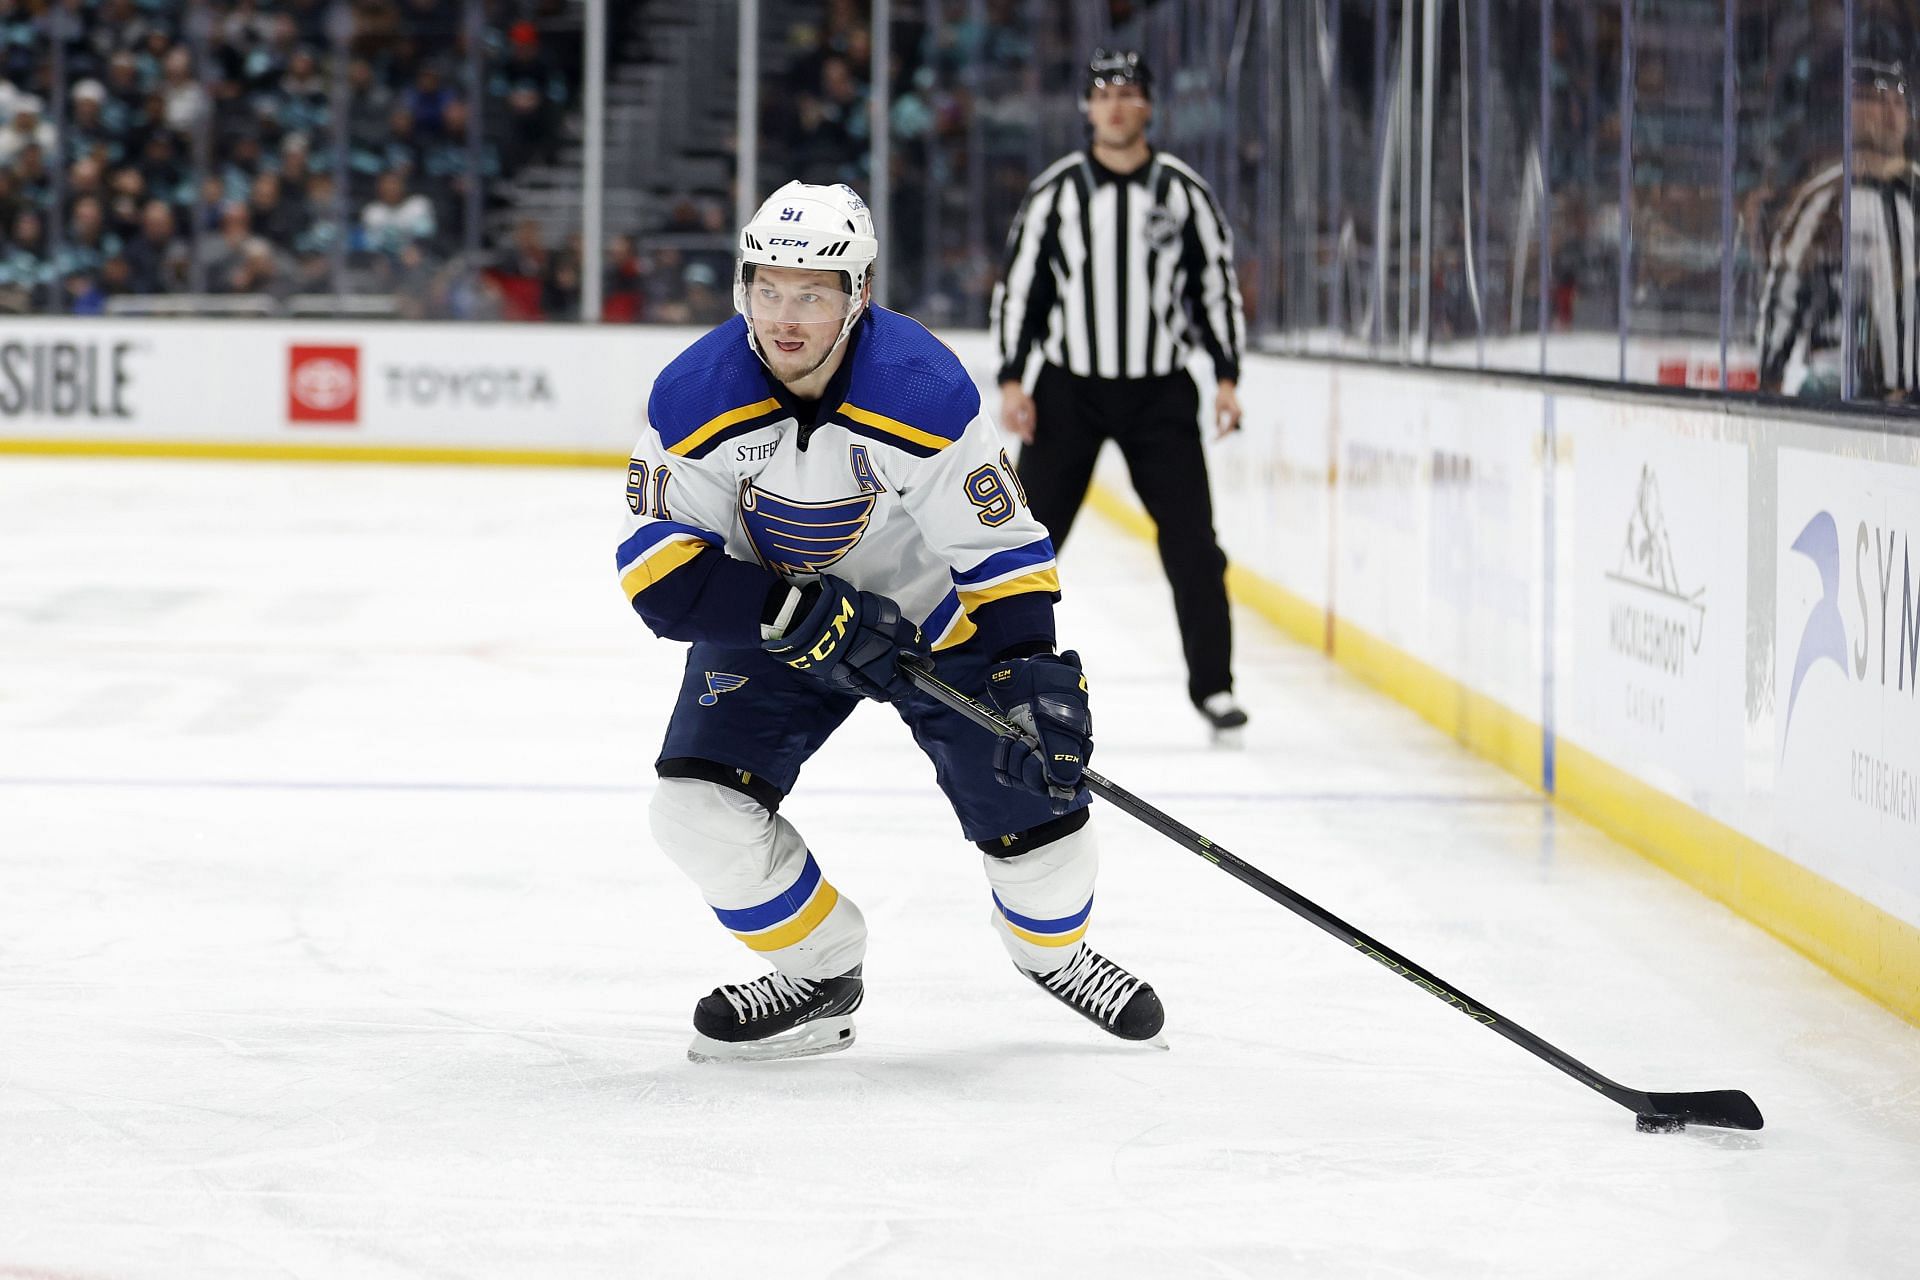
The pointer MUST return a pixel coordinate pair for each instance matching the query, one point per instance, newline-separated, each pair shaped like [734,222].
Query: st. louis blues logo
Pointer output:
[802,537]
[719,682]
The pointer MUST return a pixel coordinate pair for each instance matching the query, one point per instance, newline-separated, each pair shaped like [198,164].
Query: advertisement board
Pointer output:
[1847,674]
[1656,583]
[328,384]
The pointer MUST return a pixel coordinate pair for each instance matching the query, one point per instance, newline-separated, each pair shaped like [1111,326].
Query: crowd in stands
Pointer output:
[198,146]
[184,155]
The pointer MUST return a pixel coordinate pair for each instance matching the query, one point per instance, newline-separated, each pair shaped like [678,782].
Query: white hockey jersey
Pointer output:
[901,486]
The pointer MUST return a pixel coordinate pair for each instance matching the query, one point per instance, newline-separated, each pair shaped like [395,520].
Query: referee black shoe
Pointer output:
[776,1017]
[1225,715]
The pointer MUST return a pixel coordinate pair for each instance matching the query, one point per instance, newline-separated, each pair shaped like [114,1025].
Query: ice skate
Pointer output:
[1227,718]
[1105,994]
[776,1017]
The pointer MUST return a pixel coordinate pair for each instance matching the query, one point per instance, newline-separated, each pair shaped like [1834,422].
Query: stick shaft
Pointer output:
[1707,1108]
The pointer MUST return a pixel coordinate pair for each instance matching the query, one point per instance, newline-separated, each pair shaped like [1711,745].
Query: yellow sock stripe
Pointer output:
[796,929]
[664,559]
[1047,939]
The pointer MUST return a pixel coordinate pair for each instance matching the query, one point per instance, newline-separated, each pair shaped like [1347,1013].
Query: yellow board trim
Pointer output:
[785,935]
[714,426]
[1047,580]
[1469,717]
[1867,948]
[664,559]
[894,427]
[1872,951]
[1046,939]
[291,451]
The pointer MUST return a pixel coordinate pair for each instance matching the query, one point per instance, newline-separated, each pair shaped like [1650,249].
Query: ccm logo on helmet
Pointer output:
[798,244]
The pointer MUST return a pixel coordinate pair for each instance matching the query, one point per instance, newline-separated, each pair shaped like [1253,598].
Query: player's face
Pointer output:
[1118,113]
[796,318]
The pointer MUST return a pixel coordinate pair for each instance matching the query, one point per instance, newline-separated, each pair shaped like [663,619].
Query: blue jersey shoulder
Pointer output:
[905,375]
[714,387]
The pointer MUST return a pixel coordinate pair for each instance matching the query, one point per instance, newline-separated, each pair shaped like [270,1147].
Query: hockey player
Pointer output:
[817,495]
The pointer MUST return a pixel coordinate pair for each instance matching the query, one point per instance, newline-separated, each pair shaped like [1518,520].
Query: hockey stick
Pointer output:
[1653,1112]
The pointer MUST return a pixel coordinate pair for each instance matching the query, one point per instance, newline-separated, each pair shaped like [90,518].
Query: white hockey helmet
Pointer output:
[810,228]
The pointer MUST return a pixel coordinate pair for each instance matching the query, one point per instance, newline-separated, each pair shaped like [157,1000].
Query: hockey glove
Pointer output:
[851,640]
[1047,696]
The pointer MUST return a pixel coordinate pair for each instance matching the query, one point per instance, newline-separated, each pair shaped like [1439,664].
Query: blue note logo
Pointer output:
[795,538]
[719,682]
[1825,635]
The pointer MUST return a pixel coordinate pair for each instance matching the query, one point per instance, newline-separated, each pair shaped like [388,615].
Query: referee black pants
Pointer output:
[1156,423]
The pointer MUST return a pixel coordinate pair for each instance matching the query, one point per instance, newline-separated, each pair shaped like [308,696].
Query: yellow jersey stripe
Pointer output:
[1047,580]
[1068,938]
[894,427]
[714,426]
[665,558]
[800,926]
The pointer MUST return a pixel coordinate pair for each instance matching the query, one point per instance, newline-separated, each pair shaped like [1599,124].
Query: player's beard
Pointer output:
[796,366]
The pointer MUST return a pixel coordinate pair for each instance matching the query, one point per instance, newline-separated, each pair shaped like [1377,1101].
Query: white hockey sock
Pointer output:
[1042,901]
[754,870]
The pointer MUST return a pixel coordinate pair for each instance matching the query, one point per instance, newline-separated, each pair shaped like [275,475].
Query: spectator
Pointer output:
[156,258]
[257,269]
[222,253]
[126,194]
[89,243]
[273,215]
[522,273]
[427,100]
[23,263]
[705,303]
[185,100]
[24,130]
[622,301]
[87,131]
[396,217]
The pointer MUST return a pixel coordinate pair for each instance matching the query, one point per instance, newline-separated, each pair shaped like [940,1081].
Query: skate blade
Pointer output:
[1234,739]
[823,1035]
[1159,1041]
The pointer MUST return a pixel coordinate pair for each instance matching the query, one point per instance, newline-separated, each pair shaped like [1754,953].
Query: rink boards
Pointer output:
[1694,624]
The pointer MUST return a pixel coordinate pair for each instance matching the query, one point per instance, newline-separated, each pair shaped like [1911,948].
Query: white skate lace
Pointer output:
[768,995]
[1094,982]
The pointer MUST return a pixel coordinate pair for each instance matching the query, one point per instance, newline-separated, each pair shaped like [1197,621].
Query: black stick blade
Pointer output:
[1719,1108]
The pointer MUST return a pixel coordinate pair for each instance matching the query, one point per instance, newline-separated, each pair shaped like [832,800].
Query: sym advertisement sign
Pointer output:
[1847,673]
[1659,608]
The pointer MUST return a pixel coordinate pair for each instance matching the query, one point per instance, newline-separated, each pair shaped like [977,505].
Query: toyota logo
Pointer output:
[323,383]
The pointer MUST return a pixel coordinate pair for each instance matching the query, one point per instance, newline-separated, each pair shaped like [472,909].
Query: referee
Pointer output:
[1118,255]
[1801,325]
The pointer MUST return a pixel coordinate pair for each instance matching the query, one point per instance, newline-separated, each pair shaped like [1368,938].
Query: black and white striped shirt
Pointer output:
[1800,321]
[1109,275]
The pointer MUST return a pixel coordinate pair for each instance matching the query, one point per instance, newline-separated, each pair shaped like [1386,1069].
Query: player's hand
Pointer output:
[1047,696]
[1016,411]
[1226,410]
[852,640]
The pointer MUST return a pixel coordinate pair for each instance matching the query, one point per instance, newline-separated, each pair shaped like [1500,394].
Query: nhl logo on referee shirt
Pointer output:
[719,682]
[1162,227]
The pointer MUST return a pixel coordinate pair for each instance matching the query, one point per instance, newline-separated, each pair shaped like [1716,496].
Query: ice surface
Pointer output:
[332,943]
